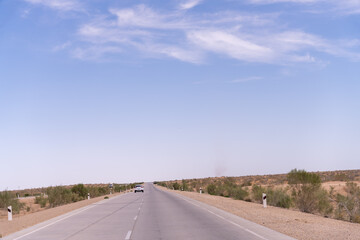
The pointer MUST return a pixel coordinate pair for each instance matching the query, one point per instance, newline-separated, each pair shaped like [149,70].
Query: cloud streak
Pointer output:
[189,4]
[193,37]
[320,6]
[61,5]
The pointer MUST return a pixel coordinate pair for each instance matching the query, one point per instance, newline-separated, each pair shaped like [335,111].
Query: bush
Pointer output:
[80,190]
[277,197]
[8,199]
[211,189]
[348,207]
[41,201]
[238,193]
[59,196]
[257,192]
[176,186]
[307,192]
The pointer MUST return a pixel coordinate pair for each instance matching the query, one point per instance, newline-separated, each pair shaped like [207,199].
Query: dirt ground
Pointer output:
[293,223]
[37,215]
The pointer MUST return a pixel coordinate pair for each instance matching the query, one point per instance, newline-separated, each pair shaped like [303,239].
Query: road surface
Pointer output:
[154,214]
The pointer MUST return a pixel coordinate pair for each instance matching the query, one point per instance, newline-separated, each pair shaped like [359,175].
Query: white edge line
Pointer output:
[53,223]
[128,235]
[86,208]
[245,229]
[135,218]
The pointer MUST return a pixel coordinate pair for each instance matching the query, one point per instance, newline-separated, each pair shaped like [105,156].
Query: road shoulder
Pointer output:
[293,223]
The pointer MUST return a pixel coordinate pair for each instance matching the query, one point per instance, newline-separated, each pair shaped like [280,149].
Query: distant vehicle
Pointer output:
[139,188]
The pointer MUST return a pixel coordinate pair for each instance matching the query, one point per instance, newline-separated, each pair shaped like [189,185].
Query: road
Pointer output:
[152,215]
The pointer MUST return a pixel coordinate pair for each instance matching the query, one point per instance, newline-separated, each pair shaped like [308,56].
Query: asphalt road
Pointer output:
[152,215]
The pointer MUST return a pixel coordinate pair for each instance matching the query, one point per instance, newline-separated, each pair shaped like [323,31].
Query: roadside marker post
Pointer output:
[88,196]
[264,199]
[200,190]
[9,213]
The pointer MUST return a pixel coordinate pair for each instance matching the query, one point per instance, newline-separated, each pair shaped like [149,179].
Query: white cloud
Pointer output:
[62,46]
[284,1]
[247,79]
[321,6]
[94,52]
[189,4]
[231,45]
[62,5]
[191,37]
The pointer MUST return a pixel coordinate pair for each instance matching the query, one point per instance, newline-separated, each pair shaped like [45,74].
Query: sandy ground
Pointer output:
[21,221]
[296,224]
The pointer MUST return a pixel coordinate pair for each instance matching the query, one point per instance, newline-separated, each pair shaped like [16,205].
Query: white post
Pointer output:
[200,190]
[9,213]
[264,199]
[88,196]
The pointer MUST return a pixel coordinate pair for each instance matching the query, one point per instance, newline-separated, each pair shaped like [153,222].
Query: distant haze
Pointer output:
[124,91]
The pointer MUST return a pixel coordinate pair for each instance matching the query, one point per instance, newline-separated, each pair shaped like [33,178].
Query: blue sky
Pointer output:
[122,91]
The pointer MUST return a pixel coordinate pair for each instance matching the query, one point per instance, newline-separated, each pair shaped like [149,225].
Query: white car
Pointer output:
[139,188]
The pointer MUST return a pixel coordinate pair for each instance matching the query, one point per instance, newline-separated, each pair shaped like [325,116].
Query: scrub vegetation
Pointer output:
[56,196]
[9,199]
[298,190]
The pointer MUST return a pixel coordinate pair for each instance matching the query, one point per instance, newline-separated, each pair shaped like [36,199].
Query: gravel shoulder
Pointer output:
[20,222]
[302,226]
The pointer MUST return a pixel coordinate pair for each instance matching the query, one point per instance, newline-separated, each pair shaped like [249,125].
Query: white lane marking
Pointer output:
[94,204]
[135,218]
[238,225]
[53,223]
[128,235]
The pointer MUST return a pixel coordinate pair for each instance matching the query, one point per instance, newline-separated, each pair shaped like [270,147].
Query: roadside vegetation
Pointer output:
[299,190]
[8,199]
[59,195]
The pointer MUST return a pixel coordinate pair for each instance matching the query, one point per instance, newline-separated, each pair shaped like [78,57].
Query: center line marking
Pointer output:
[128,235]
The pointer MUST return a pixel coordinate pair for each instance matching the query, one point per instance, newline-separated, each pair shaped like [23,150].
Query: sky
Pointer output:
[126,90]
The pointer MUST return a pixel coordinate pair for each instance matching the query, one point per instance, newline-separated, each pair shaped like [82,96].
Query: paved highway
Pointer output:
[152,215]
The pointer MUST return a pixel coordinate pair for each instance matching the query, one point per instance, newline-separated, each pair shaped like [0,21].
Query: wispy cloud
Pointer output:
[233,46]
[320,6]
[94,52]
[62,46]
[247,79]
[192,37]
[189,4]
[62,5]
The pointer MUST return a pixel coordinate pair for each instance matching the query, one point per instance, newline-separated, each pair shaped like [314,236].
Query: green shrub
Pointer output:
[275,197]
[238,193]
[8,199]
[278,198]
[307,192]
[59,196]
[106,197]
[348,207]
[176,186]
[184,185]
[257,192]
[80,190]
[41,201]
[211,189]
